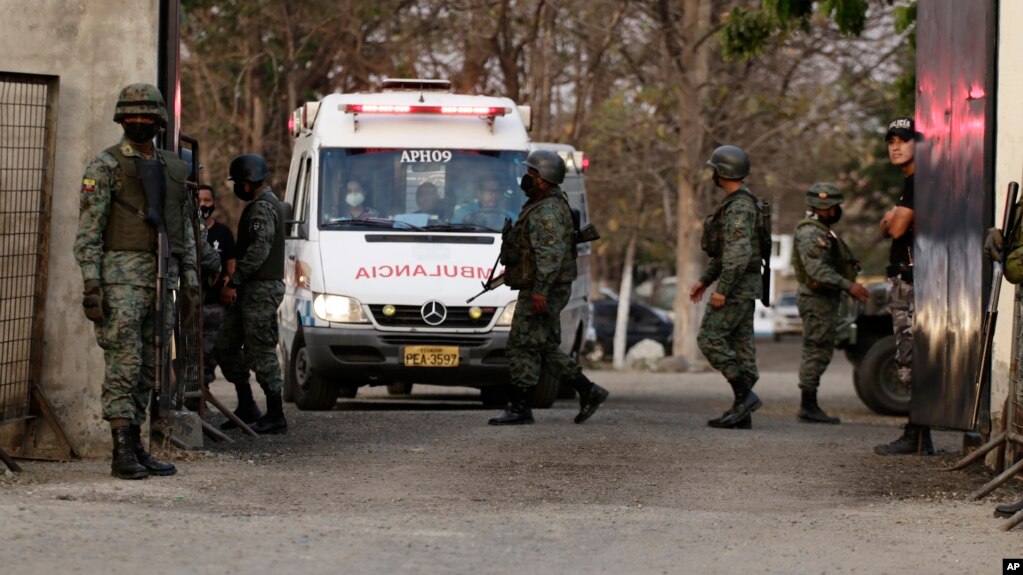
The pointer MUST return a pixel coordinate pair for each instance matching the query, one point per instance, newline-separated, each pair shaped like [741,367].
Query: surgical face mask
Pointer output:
[528,184]
[140,133]
[355,199]
[206,211]
[239,190]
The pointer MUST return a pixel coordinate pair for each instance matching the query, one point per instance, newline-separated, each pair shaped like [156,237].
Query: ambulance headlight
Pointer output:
[506,315]
[338,308]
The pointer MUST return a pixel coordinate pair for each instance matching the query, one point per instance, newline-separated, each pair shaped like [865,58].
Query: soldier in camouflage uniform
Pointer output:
[897,224]
[539,254]
[731,239]
[247,340]
[825,267]
[117,251]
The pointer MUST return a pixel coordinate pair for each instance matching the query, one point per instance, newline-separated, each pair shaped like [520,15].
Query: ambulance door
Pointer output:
[297,297]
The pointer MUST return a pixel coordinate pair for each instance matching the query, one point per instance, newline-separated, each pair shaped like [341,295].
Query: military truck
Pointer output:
[866,336]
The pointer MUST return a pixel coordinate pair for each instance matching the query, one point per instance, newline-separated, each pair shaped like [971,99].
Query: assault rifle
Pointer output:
[154,185]
[991,316]
[587,233]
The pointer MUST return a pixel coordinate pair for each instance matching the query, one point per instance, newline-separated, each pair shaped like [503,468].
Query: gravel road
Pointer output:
[421,484]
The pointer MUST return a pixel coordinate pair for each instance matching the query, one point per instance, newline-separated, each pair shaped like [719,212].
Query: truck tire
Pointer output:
[311,391]
[877,382]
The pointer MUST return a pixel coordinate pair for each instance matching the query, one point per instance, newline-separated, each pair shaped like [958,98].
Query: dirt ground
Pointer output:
[422,484]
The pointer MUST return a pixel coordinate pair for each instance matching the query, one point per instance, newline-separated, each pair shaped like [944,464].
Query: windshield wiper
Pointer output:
[369,223]
[461,227]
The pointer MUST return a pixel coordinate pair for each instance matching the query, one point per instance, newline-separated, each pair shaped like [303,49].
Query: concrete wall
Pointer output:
[95,47]
[1008,168]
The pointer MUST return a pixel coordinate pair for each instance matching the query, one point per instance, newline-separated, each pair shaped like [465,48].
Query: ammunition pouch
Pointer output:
[710,239]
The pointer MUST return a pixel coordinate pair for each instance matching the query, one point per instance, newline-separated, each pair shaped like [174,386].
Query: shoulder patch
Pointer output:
[88,185]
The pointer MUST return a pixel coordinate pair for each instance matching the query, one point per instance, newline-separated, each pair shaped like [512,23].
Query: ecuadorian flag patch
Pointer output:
[88,185]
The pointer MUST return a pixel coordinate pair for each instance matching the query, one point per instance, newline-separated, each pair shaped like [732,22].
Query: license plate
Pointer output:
[431,356]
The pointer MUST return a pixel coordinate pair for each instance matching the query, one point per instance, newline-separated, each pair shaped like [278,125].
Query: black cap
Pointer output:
[904,128]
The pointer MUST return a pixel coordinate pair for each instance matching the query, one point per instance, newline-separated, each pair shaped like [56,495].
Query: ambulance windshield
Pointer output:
[421,189]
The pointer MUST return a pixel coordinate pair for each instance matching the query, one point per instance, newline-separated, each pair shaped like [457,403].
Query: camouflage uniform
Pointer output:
[824,266]
[726,334]
[535,339]
[129,285]
[247,340]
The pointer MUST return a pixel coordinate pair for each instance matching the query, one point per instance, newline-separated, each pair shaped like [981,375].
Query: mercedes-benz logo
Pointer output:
[434,312]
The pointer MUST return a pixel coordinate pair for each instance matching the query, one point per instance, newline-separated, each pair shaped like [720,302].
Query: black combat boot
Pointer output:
[746,423]
[591,396]
[153,465]
[810,412]
[1009,509]
[916,439]
[125,465]
[247,410]
[273,422]
[716,422]
[518,411]
[746,402]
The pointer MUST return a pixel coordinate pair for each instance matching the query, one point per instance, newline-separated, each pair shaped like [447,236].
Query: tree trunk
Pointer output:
[624,303]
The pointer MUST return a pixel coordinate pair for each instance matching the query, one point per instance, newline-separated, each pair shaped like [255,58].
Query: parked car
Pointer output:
[786,316]
[645,322]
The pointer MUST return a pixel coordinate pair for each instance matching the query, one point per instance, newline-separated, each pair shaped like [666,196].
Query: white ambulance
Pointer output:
[398,199]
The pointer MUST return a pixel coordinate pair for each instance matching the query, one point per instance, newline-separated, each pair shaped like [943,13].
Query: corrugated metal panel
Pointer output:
[954,191]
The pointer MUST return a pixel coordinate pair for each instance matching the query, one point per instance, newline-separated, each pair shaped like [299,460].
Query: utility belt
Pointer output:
[903,271]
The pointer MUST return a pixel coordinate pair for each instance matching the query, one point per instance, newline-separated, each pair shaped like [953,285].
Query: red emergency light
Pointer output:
[439,110]
[586,163]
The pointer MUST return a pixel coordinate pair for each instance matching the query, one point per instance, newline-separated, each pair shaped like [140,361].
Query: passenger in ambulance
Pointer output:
[429,201]
[489,210]
[352,206]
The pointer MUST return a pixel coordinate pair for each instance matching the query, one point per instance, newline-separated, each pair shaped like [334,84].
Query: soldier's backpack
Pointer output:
[711,240]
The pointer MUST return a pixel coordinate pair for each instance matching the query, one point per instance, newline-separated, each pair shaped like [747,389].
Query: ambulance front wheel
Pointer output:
[311,391]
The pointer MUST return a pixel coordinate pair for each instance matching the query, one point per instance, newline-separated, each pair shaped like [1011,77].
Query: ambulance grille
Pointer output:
[412,316]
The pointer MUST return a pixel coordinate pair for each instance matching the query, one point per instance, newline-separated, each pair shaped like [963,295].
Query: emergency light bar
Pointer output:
[443,110]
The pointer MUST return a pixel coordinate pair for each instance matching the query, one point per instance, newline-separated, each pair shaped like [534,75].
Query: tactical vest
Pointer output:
[711,240]
[841,255]
[126,231]
[517,254]
[273,265]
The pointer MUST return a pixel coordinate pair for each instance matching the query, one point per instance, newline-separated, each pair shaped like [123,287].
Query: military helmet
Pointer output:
[730,162]
[549,164]
[824,196]
[249,168]
[140,100]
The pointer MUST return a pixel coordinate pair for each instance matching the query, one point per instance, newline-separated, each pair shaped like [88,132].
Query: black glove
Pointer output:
[92,302]
[993,244]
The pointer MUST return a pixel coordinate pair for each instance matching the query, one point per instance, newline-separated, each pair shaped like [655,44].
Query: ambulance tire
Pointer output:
[543,395]
[289,380]
[311,391]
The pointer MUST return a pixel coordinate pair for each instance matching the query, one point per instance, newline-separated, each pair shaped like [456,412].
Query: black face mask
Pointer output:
[239,190]
[140,133]
[832,220]
[206,211]
[528,184]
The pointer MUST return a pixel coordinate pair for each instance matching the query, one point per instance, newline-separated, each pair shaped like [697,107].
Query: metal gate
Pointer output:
[27,148]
